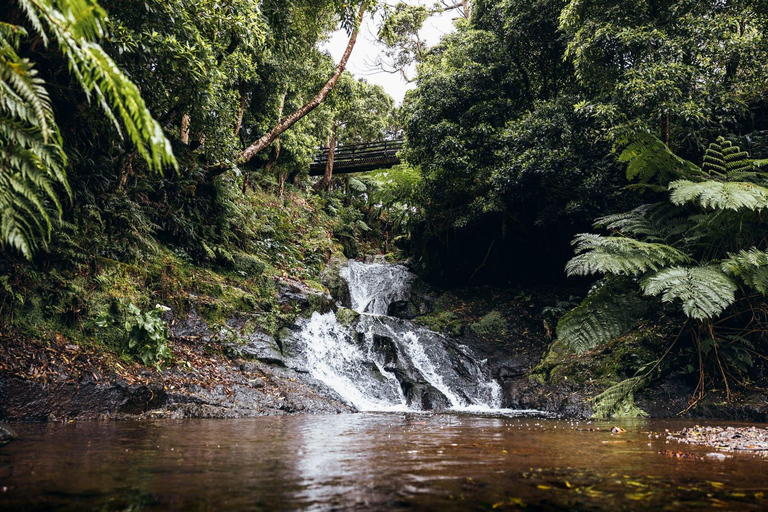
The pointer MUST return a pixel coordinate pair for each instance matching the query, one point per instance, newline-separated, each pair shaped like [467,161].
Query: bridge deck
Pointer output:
[358,157]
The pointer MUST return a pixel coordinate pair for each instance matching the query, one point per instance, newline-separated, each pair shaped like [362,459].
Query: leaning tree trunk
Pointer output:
[289,121]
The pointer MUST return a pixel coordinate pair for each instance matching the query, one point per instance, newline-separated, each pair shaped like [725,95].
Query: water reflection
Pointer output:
[368,462]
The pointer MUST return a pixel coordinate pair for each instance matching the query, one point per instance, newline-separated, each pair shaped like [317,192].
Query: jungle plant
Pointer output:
[32,158]
[145,333]
[697,256]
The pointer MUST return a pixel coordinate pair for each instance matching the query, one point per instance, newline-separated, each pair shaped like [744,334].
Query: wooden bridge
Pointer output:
[358,157]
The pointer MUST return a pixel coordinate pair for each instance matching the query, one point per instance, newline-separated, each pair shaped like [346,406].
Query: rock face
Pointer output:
[6,434]
[28,400]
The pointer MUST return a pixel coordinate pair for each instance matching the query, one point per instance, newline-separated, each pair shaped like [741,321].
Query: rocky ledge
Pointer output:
[230,371]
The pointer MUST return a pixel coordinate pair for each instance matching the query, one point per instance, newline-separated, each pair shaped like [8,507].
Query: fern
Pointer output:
[718,195]
[751,266]
[32,158]
[657,222]
[705,292]
[725,160]
[619,256]
[618,401]
[649,159]
[608,312]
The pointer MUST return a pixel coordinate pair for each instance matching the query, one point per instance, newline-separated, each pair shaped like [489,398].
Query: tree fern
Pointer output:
[751,266]
[618,401]
[608,312]
[718,195]
[725,160]
[705,292]
[648,159]
[32,161]
[657,222]
[619,256]
[32,158]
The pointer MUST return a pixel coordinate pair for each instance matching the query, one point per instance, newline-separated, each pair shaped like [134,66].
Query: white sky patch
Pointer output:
[366,51]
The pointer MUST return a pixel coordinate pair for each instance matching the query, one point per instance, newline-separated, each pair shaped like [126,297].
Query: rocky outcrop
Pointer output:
[6,434]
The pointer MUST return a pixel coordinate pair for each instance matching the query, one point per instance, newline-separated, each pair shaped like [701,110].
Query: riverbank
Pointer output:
[232,362]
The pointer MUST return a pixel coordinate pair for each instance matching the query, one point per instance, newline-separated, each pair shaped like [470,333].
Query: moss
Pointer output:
[603,367]
[346,316]
[443,321]
[491,325]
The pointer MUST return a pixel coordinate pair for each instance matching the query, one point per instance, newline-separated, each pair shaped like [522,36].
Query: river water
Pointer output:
[369,461]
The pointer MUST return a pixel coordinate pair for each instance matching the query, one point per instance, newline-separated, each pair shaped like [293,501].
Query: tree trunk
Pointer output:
[325,182]
[241,110]
[289,121]
[185,129]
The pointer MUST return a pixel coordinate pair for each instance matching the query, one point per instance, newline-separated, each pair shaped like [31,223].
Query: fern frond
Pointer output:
[705,292]
[357,185]
[619,256]
[32,161]
[75,25]
[648,159]
[607,313]
[721,196]
[751,266]
[618,401]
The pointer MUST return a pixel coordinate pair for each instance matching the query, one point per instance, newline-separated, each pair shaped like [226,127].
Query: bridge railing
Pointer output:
[385,150]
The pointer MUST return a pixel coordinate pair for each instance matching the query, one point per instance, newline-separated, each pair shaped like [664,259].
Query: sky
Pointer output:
[366,50]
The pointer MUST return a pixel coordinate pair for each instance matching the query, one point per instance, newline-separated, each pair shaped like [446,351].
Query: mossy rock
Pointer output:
[444,322]
[491,325]
[346,316]
[248,263]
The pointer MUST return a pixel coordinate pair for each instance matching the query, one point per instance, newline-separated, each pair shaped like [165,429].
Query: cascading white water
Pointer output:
[389,364]
[374,286]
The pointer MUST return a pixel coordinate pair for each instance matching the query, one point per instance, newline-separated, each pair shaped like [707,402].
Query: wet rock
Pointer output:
[346,316]
[6,434]
[191,327]
[385,346]
[245,340]
[337,285]
[564,399]
[418,393]
[306,298]
[421,300]
[27,400]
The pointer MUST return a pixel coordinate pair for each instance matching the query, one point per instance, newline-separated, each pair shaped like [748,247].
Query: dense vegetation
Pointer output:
[156,152]
[537,117]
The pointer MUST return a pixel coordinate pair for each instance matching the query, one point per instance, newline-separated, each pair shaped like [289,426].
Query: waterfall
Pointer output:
[383,363]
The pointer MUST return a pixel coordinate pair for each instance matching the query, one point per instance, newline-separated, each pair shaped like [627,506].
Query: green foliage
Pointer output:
[619,256]
[714,227]
[491,325]
[31,147]
[618,400]
[648,159]
[720,196]
[609,311]
[146,335]
[705,292]
[751,267]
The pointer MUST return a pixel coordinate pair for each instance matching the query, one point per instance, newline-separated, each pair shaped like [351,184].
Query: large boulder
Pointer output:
[336,284]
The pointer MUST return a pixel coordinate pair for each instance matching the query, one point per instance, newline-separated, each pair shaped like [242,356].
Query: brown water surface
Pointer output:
[370,462]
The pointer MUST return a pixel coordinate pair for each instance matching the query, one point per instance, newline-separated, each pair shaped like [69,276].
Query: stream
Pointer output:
[369,461]
[430,436]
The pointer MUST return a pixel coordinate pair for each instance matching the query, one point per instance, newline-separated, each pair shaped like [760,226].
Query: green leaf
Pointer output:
[705,292]
[620,256]
[722,196]
[607,313]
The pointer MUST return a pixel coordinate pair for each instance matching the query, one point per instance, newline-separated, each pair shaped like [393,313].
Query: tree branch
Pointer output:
[289,121]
